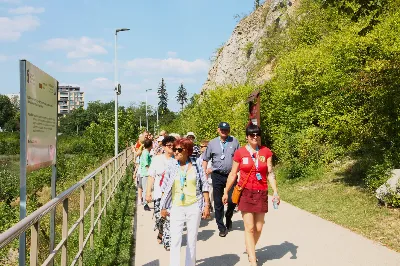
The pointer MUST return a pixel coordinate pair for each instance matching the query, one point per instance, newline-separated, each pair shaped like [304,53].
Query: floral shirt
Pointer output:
[171,172]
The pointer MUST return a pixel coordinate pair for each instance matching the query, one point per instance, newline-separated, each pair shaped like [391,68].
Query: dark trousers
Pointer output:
[219,184]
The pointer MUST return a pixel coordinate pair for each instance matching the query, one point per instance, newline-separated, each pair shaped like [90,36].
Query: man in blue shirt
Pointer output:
[220,151]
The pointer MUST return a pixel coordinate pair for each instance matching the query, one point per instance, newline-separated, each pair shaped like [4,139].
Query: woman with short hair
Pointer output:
[156,178]
[186,194]
[254,162]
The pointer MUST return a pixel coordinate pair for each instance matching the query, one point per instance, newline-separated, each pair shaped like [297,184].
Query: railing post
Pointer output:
[64,234]
[126,160]
[92,211]
[81,224]
[100,196]
[34,244]
[106,176]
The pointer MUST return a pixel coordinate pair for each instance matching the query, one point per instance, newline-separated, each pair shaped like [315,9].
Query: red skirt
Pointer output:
[253,201]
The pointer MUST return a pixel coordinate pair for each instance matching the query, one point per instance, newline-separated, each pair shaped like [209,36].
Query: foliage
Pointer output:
[333,92]
[256,4]
[79,119]
[248,49]
[115,245]
[181,97]
[7,110]
[162,96]
[9,143]
[206,112]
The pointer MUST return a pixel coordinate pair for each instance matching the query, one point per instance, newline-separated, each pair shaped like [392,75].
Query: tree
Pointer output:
[7,110]
[256,4]
[182,96]
[163,96]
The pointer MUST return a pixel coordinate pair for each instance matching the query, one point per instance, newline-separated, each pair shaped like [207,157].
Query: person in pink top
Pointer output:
[254,162]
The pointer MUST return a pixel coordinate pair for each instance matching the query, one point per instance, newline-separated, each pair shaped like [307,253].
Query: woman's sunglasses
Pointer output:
[177,150]
[255,135]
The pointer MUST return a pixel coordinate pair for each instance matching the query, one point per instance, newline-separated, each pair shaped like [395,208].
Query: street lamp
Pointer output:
[147,119]
[117,89]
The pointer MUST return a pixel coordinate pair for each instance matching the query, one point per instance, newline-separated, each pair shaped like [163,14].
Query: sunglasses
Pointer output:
[169,145]
[255,135]
[177,150]
[203,146]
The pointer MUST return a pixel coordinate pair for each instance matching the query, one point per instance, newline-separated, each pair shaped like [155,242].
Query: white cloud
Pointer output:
[3,58]
[172,54]
[179,80]
[76,48]
[82,66]
[23,10]
[147,66]
[12,28]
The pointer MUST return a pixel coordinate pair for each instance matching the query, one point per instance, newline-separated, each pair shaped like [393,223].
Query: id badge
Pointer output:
[182,197]
[222,156]
[259,177]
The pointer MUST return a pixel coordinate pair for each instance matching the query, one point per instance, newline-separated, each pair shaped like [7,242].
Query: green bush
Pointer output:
[9,143]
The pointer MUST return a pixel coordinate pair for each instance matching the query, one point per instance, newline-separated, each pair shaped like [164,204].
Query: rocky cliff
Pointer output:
[238,56]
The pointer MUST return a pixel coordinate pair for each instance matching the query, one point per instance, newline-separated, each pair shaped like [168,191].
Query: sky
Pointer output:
[73,41]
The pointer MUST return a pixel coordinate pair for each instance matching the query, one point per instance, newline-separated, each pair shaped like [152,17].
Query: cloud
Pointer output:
[3,58]
[23,10]
[76,48]
[82,66]
[172,54]
[147,66]
[12,28]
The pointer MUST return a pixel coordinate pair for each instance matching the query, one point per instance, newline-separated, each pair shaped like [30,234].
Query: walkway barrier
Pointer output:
[107,178]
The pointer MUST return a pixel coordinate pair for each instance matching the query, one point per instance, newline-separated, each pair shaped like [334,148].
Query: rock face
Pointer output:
[390,188]
[237,57]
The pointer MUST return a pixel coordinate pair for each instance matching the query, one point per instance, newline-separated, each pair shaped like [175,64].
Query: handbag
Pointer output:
[237,191]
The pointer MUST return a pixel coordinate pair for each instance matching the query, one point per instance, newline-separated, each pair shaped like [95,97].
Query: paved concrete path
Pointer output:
[291,236]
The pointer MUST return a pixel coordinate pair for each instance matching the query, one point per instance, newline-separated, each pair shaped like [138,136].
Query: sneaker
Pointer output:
[229,225]
[223,233]
[146,207]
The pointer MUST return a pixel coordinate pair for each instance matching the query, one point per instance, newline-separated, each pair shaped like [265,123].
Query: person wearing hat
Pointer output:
[196,150]
[220,151]
[159,149]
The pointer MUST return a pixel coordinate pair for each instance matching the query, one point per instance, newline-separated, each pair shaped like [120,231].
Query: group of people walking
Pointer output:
[186,183]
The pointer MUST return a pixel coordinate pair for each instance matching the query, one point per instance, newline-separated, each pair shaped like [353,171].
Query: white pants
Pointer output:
[178,216]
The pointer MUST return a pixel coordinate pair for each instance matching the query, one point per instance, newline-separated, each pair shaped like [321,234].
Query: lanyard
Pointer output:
[223,144]
[182,175]
[255,158]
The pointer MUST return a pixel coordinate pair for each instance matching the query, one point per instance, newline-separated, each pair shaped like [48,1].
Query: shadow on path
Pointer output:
[224,260]
[153,263]
[238,225]
[275,252]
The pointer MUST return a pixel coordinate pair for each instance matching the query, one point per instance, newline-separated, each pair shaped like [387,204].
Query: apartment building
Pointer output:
[69,98]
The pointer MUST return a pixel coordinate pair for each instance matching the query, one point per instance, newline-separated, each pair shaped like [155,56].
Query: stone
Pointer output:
[392,186]
[233,62]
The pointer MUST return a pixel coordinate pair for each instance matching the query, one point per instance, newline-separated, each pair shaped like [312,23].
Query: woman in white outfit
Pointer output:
[185,190]
[157,170]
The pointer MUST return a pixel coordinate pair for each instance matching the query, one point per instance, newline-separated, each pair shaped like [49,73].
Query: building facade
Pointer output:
[69,99]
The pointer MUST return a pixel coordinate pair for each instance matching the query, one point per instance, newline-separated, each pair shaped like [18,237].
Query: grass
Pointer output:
[115,245]
[332,197]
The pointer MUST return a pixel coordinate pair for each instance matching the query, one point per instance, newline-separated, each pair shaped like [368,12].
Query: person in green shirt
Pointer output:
[145,161]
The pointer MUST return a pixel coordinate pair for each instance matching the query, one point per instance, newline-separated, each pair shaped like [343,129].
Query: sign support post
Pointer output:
[22,161]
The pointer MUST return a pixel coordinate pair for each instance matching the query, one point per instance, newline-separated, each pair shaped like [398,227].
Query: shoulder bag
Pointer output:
[237,191]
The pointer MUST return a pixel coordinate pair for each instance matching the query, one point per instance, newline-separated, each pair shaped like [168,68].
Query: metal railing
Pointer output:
[107,177]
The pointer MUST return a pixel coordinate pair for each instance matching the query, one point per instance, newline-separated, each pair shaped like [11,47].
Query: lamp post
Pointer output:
[117,89]
[147,119]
